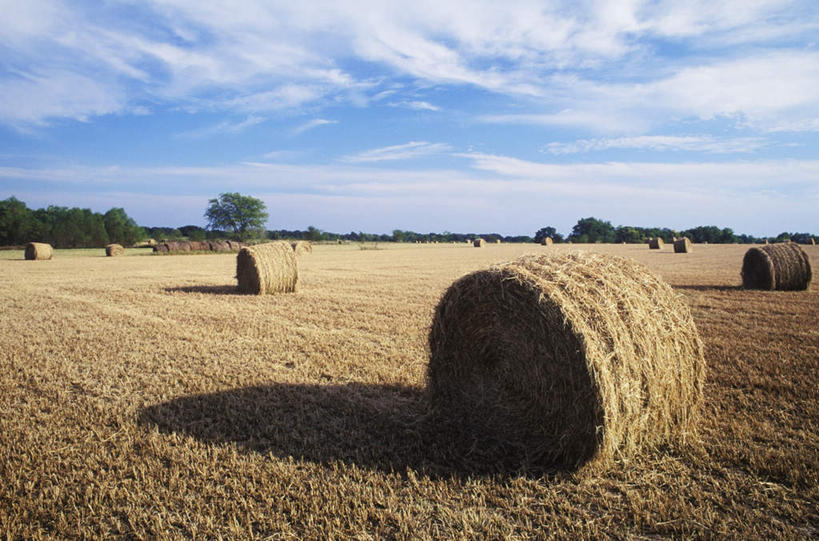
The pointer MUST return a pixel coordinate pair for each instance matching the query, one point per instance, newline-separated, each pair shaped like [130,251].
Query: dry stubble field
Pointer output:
[141,397]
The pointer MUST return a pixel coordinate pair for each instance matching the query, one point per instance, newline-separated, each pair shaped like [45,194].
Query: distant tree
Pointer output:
[314,234]
[630,235]
[592,230]
[550,232]
[121,228]
[242,214]
[18,224]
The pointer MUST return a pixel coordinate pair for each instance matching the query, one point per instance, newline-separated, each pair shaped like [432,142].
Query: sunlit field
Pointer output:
[142,397]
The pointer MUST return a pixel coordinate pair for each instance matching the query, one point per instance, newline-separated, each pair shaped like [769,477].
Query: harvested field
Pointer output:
[142,397]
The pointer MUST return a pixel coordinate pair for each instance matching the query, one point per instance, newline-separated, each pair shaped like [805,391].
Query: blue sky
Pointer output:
[426,115]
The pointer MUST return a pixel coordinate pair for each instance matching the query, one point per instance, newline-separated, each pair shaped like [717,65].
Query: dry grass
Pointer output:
[267,268]
[785,267]
[565,360]
[142,398]
[682,246]
[114,250]
[38,251]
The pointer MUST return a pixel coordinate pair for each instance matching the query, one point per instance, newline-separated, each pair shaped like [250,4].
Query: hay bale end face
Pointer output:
[682,246]
[267,268]
[566,359]
[546,241]
[38,251]
[656,243]
[113,250]
[301,247]
[478,243]
[784,267]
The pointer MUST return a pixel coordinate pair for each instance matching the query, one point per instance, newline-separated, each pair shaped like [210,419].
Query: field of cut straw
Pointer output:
[142,397]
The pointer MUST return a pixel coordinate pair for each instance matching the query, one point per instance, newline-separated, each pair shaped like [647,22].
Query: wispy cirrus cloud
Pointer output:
[413,149]
[417,105]
[225,127]
[315,123]
[661,143]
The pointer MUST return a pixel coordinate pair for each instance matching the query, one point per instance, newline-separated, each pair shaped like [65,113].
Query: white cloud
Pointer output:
[225,127]
[417,105]
[315,123]
[499,192]
[413,149]
[256,56]
[661,143]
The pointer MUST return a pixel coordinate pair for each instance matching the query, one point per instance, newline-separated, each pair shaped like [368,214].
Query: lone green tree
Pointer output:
[242,214]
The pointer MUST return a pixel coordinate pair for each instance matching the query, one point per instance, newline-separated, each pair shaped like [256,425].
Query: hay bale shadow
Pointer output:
[381,427]
[207,290]
[709,288]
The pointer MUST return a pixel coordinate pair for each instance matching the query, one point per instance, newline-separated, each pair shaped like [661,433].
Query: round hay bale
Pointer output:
[235,245]
[38,251]
[682,246]
[301,247]
[113,250]
[546,241]
[656,243]
[478,243]
[267,268]
[497,241]
[563,360]
[161,248]
[784,267]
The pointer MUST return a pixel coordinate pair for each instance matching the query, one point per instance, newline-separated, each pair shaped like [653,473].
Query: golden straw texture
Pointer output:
[783,266]
[112,250]
[566,359]
[478,243]
[38,251]
[682,246]
[656,243]
[302,247]
[546,241]
[267,268]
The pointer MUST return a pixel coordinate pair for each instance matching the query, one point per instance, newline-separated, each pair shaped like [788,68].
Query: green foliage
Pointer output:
[17,223]
[550,232]
[121,228]
[242,214]
[592,230]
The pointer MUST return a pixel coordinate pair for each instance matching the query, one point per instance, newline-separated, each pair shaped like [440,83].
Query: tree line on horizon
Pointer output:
[64,227]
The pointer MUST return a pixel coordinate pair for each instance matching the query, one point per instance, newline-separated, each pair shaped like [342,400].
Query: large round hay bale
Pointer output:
[682,246]
[566,359]
[267,268]
[478,243]
[161,247]
[301,247]
[783,266]
[546,241]
[656,243]
[113,250]
[38,251]
[235,245]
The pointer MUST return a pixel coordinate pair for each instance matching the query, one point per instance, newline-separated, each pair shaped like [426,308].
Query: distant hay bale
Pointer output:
[682,246]
[478,243]
[566,359]
[812,241]
[219,246]
[235,245]
[497,241]
[38,251]
[784,267]
[161,248]
[656,243]
[113,250]
[267,268]
[546,241]
[301,247]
